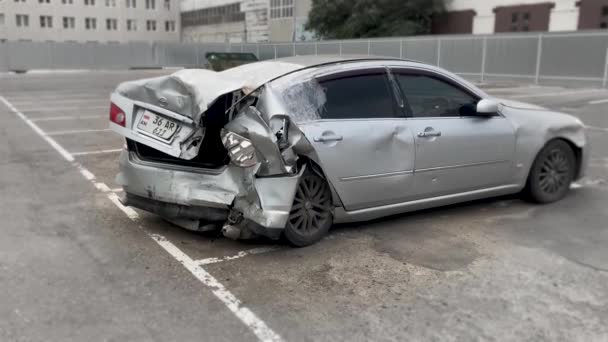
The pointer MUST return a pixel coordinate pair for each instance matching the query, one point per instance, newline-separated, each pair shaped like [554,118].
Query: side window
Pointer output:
[430,97]
[358,97]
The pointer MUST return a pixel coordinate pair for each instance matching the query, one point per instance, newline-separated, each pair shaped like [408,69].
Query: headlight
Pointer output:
[240,150]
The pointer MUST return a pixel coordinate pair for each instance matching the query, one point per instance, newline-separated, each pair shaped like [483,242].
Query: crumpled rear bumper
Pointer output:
[264,201]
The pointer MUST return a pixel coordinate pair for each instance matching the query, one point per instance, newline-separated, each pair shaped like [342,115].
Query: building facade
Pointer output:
[224,21]
[89,20]
[499,16]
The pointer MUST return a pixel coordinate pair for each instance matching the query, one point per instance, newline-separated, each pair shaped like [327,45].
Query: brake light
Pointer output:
[117,116]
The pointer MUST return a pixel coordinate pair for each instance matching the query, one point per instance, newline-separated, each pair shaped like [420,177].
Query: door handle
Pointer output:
[328,138]
[427,134]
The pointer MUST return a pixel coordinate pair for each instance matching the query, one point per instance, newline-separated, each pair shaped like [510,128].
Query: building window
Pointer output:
[89,2]
[22,20]
[170,26]
[110,3]
[46,21]
[131,25]
[90,23]
[131,4]
[66,2]
[151,25]
[44,1]
[1,19]
[604,19]
[19,0]
[69,22]
[151,4]
[167,4]
[111,24]
[281,9]
[520,21]
[213,15]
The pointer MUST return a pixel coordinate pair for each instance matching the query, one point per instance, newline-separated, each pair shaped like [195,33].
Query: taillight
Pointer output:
[117,116]
[240,150]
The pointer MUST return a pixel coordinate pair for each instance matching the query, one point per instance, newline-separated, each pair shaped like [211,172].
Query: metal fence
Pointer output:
[535,58]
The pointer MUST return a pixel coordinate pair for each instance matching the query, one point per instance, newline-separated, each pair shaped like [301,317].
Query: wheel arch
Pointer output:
[316,167]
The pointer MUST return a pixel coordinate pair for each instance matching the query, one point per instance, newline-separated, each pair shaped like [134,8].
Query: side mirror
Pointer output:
[487,107]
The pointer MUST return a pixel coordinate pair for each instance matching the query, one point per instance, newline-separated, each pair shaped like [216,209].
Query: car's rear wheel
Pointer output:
[552,172]
[311,213]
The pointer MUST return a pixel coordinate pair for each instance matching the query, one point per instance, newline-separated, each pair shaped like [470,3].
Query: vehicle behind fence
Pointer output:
[580,57]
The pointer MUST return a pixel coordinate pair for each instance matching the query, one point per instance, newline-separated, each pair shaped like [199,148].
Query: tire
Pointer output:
[552,172]
[311,213]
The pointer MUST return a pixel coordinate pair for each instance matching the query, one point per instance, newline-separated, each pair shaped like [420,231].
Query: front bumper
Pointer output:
[182,192]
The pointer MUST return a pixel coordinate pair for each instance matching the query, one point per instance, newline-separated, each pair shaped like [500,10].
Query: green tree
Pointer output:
[342,19]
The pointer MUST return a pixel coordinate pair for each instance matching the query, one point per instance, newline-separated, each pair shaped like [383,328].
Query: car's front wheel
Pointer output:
[311,213]
[552,172]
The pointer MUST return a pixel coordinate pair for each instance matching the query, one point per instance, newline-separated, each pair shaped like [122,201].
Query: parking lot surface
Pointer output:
[76,265]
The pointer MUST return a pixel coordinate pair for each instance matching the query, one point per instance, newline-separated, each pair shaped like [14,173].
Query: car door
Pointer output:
[363,139]
[456,151]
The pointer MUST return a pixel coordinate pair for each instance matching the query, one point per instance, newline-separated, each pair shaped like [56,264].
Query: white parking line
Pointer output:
[598,102]
[67,117]
[78,131]
[85,153]
[84,107]
[255,324]
[563,93]
[239,255]
[593,128]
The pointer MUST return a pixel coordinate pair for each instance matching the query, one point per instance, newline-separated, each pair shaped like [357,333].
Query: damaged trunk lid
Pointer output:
[171,113]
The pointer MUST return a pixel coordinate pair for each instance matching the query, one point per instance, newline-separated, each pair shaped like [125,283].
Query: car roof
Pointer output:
[318,60]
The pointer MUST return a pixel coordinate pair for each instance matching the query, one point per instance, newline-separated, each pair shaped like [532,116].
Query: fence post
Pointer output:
[257,49]
[275,51]
[316,48]
[369,47]
[539,55]
[605,81]
[401,49]
[340,45]
[294,49]
[439,52]
[483,59]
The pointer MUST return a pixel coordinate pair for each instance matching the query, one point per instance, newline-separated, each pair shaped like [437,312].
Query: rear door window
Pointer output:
[363,96]
[432,97]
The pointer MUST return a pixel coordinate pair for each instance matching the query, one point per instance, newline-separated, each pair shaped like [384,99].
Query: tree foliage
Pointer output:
[342,19]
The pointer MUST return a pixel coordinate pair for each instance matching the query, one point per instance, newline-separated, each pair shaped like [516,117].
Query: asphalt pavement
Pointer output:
[75,265]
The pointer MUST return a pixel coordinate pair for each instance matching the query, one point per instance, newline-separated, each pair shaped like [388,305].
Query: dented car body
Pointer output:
[291,146]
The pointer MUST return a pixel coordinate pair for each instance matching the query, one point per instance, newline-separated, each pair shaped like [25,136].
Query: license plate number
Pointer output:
[158,126]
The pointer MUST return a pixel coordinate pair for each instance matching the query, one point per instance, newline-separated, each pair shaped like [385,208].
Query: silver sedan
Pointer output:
[289,147]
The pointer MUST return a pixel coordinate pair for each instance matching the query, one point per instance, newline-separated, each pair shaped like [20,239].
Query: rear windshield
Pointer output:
[219,61]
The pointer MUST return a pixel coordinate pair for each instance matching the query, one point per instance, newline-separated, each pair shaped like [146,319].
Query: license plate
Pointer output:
[158,126]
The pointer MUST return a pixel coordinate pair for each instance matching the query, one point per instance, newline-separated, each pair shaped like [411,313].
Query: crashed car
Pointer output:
[290,146]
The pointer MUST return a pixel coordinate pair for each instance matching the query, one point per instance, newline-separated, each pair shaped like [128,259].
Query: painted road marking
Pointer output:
[68,117]
[255,324]
[86,153]
[598,102]
[78,131]
[593,128]
[563,93]
[84,107]
[117,190]
[239,255]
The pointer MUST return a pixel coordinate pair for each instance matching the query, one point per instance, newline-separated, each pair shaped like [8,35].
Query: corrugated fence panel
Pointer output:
[266,52]
[355,48]
[305,49]
[462,55]
[185,55]
[29,55]
[390,48]
[423,50]
[284,50]
[511,56]
[328,48]
[571,56]
[141,55]
[3,57]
